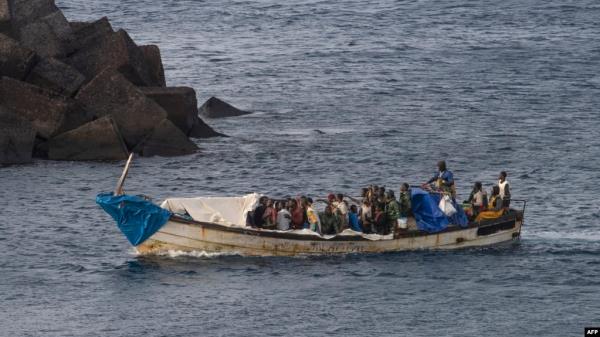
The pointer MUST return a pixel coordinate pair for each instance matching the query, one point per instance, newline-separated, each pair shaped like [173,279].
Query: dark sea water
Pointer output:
[394,86]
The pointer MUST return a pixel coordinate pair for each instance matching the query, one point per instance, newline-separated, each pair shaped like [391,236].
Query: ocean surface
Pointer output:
[391,87]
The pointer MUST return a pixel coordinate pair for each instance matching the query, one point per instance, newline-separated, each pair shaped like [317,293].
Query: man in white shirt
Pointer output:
[284,218]
[504,189]
[342,208]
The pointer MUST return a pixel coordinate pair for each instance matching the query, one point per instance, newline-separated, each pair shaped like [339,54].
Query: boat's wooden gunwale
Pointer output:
[310,237]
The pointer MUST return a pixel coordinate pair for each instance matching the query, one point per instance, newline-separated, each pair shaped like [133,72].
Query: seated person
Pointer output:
[270,216]
[495,207]
[478,199]
[284,218]
[312,216]
[297,213]
[380,220]
[353,220]
[258,219]
[331,222]
[366,216]
[342,208]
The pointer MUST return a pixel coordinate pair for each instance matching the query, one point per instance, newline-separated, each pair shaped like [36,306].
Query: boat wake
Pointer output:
[195,253]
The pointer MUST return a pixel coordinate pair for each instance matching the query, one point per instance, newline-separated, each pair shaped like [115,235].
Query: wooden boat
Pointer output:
[186,234]
[180,234]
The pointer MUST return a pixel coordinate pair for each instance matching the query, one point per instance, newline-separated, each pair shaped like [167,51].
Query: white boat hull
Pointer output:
[190,236]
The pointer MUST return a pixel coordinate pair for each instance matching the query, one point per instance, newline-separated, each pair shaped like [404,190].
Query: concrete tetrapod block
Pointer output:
[182,109]
[27,11]
[16,138]
[96,140]
[110,93]
[202,130]
[179,102]
[5,17]
[50,36]
[166,140]
[57,76]
[87,33]
[15,61]
[156,70]
[216,108]
[117,51]
[48,112]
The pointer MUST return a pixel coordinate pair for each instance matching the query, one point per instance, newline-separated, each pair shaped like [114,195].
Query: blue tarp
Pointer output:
[429,216]
[136,217]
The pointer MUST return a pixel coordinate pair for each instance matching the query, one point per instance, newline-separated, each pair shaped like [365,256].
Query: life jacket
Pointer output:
[441,186]
[502,186]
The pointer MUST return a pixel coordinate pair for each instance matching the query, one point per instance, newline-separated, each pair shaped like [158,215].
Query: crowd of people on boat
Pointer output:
[377,211]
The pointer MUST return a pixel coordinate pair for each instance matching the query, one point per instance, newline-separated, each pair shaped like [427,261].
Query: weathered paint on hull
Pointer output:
[187,237]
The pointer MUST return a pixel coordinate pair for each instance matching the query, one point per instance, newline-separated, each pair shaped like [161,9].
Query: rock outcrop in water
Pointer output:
[216,108]
[83,91]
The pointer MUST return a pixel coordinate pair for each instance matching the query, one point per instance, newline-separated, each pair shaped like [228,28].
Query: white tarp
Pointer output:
[229,211]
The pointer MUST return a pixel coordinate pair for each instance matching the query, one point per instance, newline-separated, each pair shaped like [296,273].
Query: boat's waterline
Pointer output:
[189,237]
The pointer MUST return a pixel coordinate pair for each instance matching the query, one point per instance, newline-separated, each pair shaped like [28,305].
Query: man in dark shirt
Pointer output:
[260,211]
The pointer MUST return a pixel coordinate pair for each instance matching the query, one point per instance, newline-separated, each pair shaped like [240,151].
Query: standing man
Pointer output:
[392,212]
[504,190]
[404,201]
[444,179]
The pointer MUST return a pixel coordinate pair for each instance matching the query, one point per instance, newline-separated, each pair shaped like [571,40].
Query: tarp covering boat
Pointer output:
[428,214]
[136,217]
[230,211]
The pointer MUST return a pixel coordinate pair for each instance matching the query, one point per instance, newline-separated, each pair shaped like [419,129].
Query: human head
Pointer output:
[364,191]
[404,187]
[502,176]
[331,197]
[303,201]
[269,202]
[441,165]
[309,201]
[389,195]
[477,186]
[279,205]
[263,200]
[293,203]
[353,209]
[340,197]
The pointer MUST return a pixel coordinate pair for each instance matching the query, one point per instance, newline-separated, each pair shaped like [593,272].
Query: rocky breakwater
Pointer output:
[83,91]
